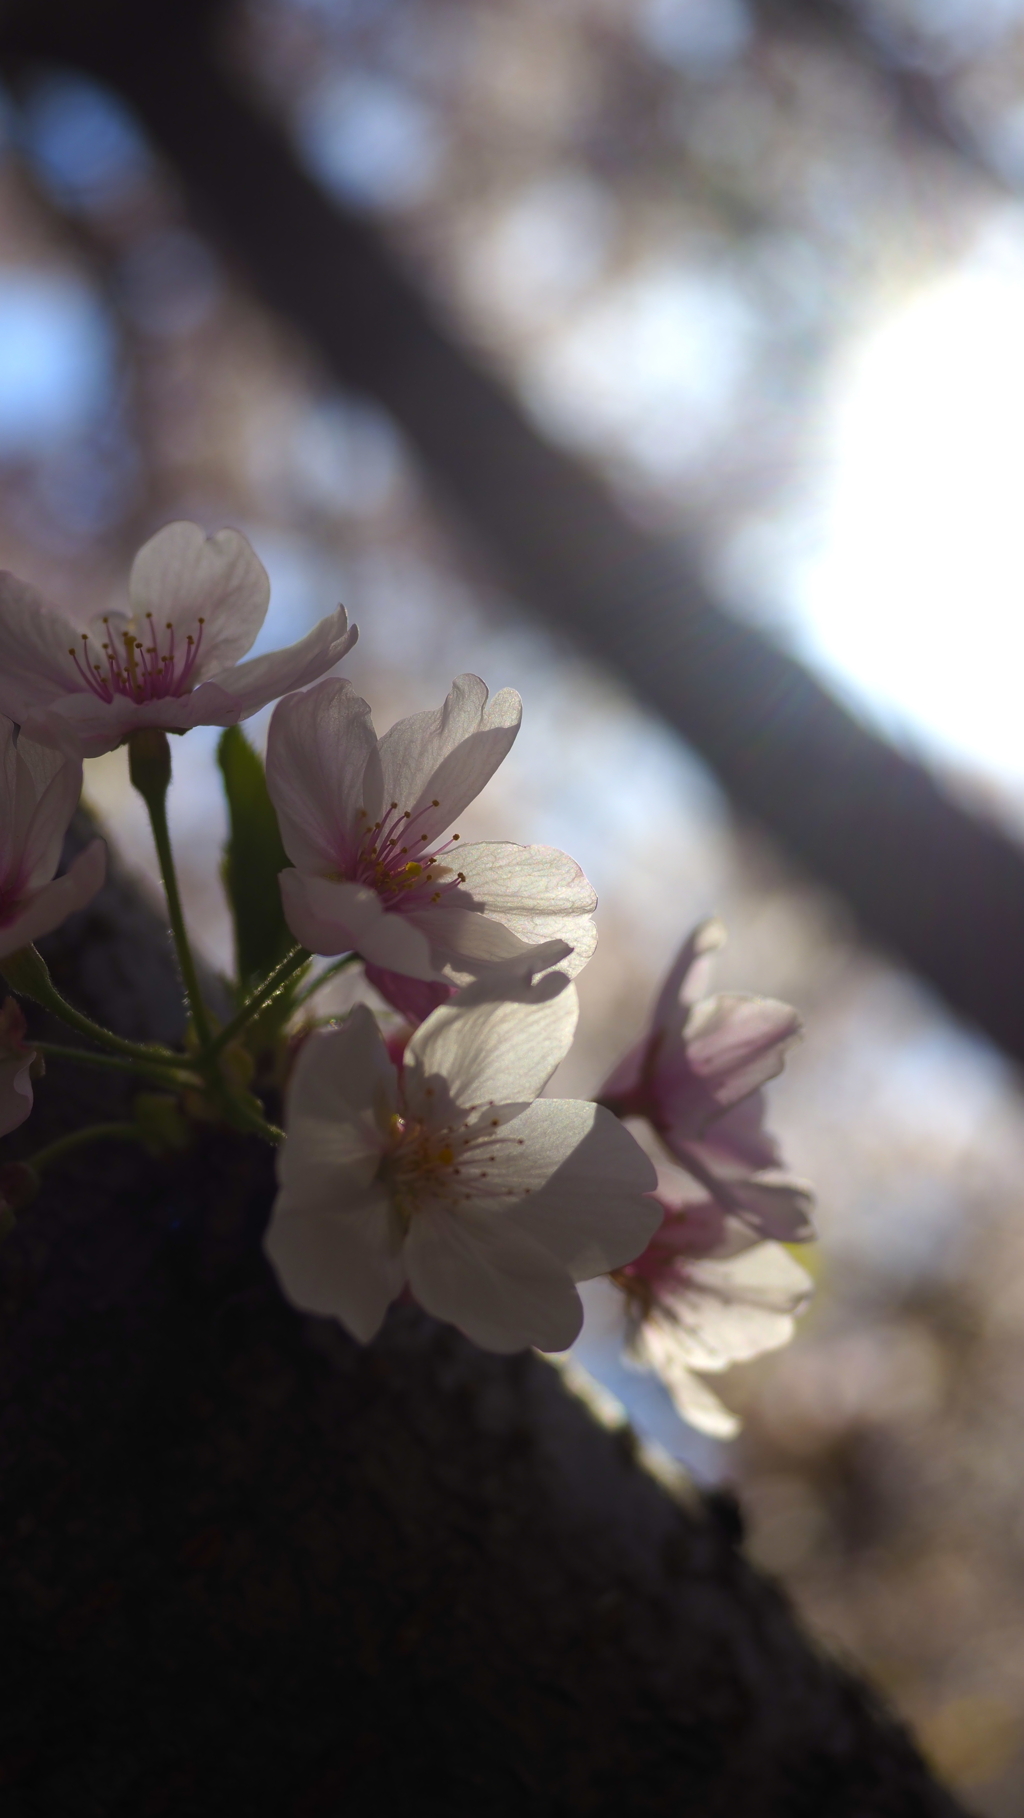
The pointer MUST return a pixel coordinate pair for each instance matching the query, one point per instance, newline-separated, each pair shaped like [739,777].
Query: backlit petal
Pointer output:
[492,1281]
[321,763]
[449,753]
[593,1212]
[537,892]
[346,1263]
[502,1051]
[35,641]
[265,678]
[329,917]
[181,576]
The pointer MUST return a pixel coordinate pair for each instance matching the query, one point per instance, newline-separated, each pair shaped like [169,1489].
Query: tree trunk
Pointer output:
[251,1565]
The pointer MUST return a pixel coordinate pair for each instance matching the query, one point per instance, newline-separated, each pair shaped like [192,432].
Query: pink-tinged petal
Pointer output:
[35,642]
[329,916]
[492,1281]
[321,762]
[81,725]
[735,1044]
[181,576]
[772,1203]
[47,788]
[690,974]
[594,1211]
[537,892]
[265,678]
[631,1086]
[413,998]
[340,1099]
[500,1051]
[346,1263]
[739,1139]
[15,1091]
[449,753]
[48,907]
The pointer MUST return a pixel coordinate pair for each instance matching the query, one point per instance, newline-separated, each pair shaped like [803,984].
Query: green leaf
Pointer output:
[253,857]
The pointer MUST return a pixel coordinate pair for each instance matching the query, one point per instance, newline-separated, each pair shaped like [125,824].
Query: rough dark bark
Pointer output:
[941,889]
[247,1565]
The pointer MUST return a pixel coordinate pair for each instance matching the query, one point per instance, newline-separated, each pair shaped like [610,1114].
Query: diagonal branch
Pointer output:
[940,888]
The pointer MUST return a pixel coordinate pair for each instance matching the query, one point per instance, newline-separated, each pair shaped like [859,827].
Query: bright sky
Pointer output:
[909,589]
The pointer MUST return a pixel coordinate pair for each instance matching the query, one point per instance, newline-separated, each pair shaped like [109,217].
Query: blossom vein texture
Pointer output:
[451,1177]
[376,868]
[170,662]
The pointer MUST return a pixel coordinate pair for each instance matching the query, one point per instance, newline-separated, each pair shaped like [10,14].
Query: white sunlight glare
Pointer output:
[911,590]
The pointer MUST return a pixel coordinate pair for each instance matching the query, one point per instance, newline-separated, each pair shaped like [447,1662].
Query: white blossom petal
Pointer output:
[730,1309]
[347,1263]
[47,786]
[492,1281]
[655,1349]
[505,1052]
[54,902]
[537,892]
[449,753]
[321,762]
[462,941]
[251,685]
[181,575]
[341,1096]
[329,916]
[592,1207]
[35,645]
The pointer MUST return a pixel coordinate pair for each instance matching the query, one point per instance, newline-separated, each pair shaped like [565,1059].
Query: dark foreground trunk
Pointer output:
[250,1566]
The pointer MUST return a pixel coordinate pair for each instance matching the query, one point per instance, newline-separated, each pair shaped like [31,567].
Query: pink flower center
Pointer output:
[392,860]
[136,669]
[660,1270]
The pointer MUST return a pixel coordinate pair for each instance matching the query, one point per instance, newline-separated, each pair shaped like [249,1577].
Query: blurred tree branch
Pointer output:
[942,889]
[920,99]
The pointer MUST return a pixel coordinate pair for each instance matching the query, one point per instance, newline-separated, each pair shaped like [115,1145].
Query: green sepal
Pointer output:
[253,857]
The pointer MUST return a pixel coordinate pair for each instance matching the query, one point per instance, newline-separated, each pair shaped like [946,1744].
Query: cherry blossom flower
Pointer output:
[196,605]
[16,1062]
[690,1303]
[697,1076]
[363,821]
[451,1177]
[39,792]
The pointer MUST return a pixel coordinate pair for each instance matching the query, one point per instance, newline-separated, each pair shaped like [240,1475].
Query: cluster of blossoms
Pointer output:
[430,1163]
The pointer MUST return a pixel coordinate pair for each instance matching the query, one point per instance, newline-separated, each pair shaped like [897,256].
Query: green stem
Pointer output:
[274,983]
[149,766]
[322,978]
[162,837]
[92,1133]
[26,972]
[244,1119]
[164,1071]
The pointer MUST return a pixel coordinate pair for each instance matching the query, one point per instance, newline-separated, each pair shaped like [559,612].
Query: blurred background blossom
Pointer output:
[763,264]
